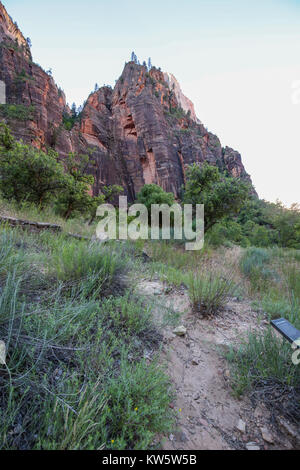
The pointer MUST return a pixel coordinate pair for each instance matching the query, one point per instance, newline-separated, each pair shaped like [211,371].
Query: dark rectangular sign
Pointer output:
[286,329]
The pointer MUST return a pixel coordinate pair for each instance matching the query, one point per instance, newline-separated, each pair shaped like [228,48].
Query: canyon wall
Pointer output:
[142,131]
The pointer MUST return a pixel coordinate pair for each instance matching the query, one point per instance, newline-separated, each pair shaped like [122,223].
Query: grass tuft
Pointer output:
[209,291]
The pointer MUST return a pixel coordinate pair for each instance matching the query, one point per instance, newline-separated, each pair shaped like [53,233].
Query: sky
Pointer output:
[237,60]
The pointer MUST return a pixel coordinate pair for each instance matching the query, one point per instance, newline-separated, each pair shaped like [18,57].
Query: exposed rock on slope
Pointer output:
[10,31]
[182,100]
[142,131]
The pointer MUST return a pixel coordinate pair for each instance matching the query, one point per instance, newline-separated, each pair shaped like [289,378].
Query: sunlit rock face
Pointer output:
[142,131]
[182,100]
[9,31]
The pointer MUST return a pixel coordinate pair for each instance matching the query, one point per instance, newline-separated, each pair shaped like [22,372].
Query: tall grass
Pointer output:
[75,377]
[32,212]
[73,260]
[263,364]
[209,291]
[10,258]
[292,273]
[172,256]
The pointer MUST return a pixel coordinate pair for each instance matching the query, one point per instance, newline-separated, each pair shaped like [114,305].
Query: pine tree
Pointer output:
[74,110]
[149,64]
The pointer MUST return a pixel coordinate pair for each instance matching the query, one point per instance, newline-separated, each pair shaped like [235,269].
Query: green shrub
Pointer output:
[137,398]
[260,236]
[221,195]
[153,194]
[276,306]
[254,265]
[17,111]
[27,173]
[209,291]
[95,264]
[225,232]
[69,121]
[178,112]
[31,175]
[23,77]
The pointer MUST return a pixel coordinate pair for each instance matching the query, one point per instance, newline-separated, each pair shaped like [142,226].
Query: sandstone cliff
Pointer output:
[142,131]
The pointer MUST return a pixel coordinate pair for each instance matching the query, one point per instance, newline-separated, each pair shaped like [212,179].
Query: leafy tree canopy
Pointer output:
[221,195]
[154,194]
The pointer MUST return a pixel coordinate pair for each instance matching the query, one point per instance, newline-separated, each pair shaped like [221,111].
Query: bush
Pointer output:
[209,292]
[221,195]
[153,194]
[30,175]
[254,265]
[27,173]
[260,236]
[93,263]
[23,77]
[19,112]
[69,121]
[276,306]
[225,232]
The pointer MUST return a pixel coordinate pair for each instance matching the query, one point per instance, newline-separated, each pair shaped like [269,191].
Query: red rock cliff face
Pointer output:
[137,132]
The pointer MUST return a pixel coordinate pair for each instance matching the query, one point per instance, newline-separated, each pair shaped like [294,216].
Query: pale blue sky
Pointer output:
[237,60]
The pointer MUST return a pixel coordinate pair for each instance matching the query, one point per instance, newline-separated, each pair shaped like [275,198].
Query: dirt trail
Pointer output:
[209,417]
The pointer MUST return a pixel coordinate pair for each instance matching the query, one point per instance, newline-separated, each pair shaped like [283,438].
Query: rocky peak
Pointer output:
[144,130]
[9,31]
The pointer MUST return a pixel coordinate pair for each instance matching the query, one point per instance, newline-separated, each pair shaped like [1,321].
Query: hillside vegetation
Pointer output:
[75,369]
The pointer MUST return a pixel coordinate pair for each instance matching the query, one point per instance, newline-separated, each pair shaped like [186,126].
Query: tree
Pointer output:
[111,192]
[6,139]
[108,195]
[134,57]
[149,64]
[29,43]
[287,224]
[153,194]
[221,195]
[76,198]
[28,174]
[74,110]
[260,236]
[96,87]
